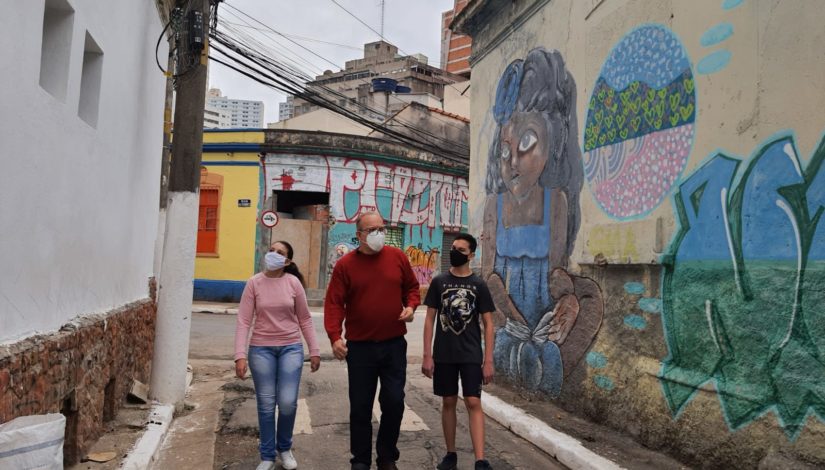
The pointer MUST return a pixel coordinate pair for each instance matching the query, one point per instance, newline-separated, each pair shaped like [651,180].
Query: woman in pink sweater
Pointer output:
[274,307]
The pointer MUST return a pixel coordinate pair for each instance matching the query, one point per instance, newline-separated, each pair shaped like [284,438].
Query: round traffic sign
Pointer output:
[269,219]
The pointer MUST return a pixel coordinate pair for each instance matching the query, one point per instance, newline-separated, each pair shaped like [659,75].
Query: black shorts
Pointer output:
[445,379]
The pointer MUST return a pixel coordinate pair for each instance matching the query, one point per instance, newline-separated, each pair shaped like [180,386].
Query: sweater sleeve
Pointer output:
[305,318]
[243,322]
[334,303]
[409,284]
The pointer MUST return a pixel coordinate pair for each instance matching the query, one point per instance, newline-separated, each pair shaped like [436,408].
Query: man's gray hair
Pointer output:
[364,214]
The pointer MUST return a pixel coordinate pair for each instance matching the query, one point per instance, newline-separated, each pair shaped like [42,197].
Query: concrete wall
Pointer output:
[322,120]
[667,156]
[79,203]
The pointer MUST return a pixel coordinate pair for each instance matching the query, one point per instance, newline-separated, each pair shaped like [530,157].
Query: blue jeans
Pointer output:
[276,372]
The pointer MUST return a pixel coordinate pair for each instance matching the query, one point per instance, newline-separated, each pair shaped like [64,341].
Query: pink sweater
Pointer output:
[281,314]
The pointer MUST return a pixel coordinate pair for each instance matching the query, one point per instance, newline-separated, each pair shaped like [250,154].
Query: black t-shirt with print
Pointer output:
[458,302]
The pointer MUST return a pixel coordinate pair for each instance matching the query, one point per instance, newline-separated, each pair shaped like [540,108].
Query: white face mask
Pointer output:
[375,240]
[274,261]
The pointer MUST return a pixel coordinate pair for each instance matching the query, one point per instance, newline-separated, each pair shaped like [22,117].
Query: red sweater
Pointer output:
[367,293]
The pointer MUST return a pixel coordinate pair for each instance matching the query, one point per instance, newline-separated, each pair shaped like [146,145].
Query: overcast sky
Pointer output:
[413,26]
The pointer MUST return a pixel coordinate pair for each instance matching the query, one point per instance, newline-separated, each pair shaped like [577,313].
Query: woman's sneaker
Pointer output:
[266,465]
[288,460]
[449,462]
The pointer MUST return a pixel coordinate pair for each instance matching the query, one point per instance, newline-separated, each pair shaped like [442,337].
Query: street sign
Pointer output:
[244,202]
[269,219]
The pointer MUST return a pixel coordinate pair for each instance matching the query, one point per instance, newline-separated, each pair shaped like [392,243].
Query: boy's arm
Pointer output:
[489,339]
[427,364]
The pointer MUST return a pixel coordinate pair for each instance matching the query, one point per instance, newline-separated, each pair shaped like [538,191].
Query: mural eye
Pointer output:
[528,140]
[505,151]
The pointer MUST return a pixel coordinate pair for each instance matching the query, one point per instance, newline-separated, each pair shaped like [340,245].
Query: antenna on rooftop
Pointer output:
[382,19]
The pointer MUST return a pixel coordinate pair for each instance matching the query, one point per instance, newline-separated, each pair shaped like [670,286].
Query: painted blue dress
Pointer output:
[522,261]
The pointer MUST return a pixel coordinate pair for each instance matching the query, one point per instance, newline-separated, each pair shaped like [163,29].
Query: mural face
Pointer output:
[744,288]
[424,202]
[640,122]
[531,218]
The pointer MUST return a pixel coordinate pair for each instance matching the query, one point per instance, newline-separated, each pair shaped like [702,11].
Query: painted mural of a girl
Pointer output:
[531,218]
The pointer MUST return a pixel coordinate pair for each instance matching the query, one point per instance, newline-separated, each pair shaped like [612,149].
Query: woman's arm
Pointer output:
[305,319]
[243,322]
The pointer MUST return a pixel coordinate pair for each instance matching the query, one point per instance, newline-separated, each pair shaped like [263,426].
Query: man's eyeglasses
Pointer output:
[375,231]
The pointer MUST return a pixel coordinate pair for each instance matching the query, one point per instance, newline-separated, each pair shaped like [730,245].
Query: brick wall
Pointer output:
[84,371]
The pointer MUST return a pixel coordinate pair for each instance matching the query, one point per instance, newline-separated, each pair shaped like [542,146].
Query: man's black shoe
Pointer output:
[449,462]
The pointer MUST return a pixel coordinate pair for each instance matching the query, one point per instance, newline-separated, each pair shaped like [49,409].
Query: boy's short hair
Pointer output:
[469,239]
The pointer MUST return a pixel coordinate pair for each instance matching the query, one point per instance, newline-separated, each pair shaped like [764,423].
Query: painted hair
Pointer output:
[292,268]
[541,84]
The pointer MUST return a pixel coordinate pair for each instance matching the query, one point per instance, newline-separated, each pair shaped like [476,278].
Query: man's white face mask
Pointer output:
[375,240]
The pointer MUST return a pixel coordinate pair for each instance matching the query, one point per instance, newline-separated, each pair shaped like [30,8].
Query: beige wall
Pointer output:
[322,120]
[736,345]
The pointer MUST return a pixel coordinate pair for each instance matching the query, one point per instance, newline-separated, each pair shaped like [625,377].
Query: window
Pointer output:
[56,47]
[209,213]
[90,78]
[395,237]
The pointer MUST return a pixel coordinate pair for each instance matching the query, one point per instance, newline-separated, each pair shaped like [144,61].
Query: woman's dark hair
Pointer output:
[292,268]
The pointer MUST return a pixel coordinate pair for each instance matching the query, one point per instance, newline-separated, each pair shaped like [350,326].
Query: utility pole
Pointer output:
[178,264]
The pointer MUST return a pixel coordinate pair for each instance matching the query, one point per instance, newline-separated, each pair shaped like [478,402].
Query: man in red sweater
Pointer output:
[373,292]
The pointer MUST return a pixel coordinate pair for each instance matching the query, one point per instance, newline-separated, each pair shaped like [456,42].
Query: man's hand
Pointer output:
[407,314]
[240,368]
[427,366]
[314,363]
[487,371]
[339,349]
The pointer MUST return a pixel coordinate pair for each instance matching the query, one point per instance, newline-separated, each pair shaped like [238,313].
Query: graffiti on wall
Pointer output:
[744,287]
[531,218]
[415,197]
[640,122]
[424,262]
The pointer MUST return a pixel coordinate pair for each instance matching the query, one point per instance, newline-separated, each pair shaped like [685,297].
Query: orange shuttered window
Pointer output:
[209,213]
[208,221]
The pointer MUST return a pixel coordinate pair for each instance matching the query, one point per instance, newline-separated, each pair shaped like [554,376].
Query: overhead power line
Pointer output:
[270,72]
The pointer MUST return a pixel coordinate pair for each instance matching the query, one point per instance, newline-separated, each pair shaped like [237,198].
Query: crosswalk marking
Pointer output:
[303,424]
[410,422]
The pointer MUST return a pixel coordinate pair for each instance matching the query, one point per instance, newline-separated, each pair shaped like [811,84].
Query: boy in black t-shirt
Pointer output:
[461,301]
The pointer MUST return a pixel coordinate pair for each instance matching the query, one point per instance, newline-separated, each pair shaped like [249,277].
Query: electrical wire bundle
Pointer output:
[251,58]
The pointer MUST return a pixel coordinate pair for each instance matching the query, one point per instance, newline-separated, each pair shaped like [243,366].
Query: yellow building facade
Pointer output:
[231,171]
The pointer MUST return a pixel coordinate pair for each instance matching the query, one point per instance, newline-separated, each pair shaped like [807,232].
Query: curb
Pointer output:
[145,451]
[563,447]
[215,310]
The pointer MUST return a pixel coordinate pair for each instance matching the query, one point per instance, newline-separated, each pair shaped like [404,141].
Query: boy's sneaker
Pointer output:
[449,462]
[483,465]
[288,460]
[266,465]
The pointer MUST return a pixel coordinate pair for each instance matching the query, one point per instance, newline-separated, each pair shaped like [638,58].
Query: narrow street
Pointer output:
[322,429]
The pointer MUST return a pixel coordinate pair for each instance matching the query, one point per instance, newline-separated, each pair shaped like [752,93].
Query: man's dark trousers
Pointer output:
[367,362]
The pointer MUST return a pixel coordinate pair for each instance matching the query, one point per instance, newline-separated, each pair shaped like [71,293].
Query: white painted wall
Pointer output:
[78,205]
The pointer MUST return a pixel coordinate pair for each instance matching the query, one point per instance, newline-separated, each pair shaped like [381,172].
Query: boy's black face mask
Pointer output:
[458,258]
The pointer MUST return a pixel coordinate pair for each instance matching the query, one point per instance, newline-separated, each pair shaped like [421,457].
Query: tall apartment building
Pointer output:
[216,118]
[286,109]
[352,87]
[455,47]
[245,113]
